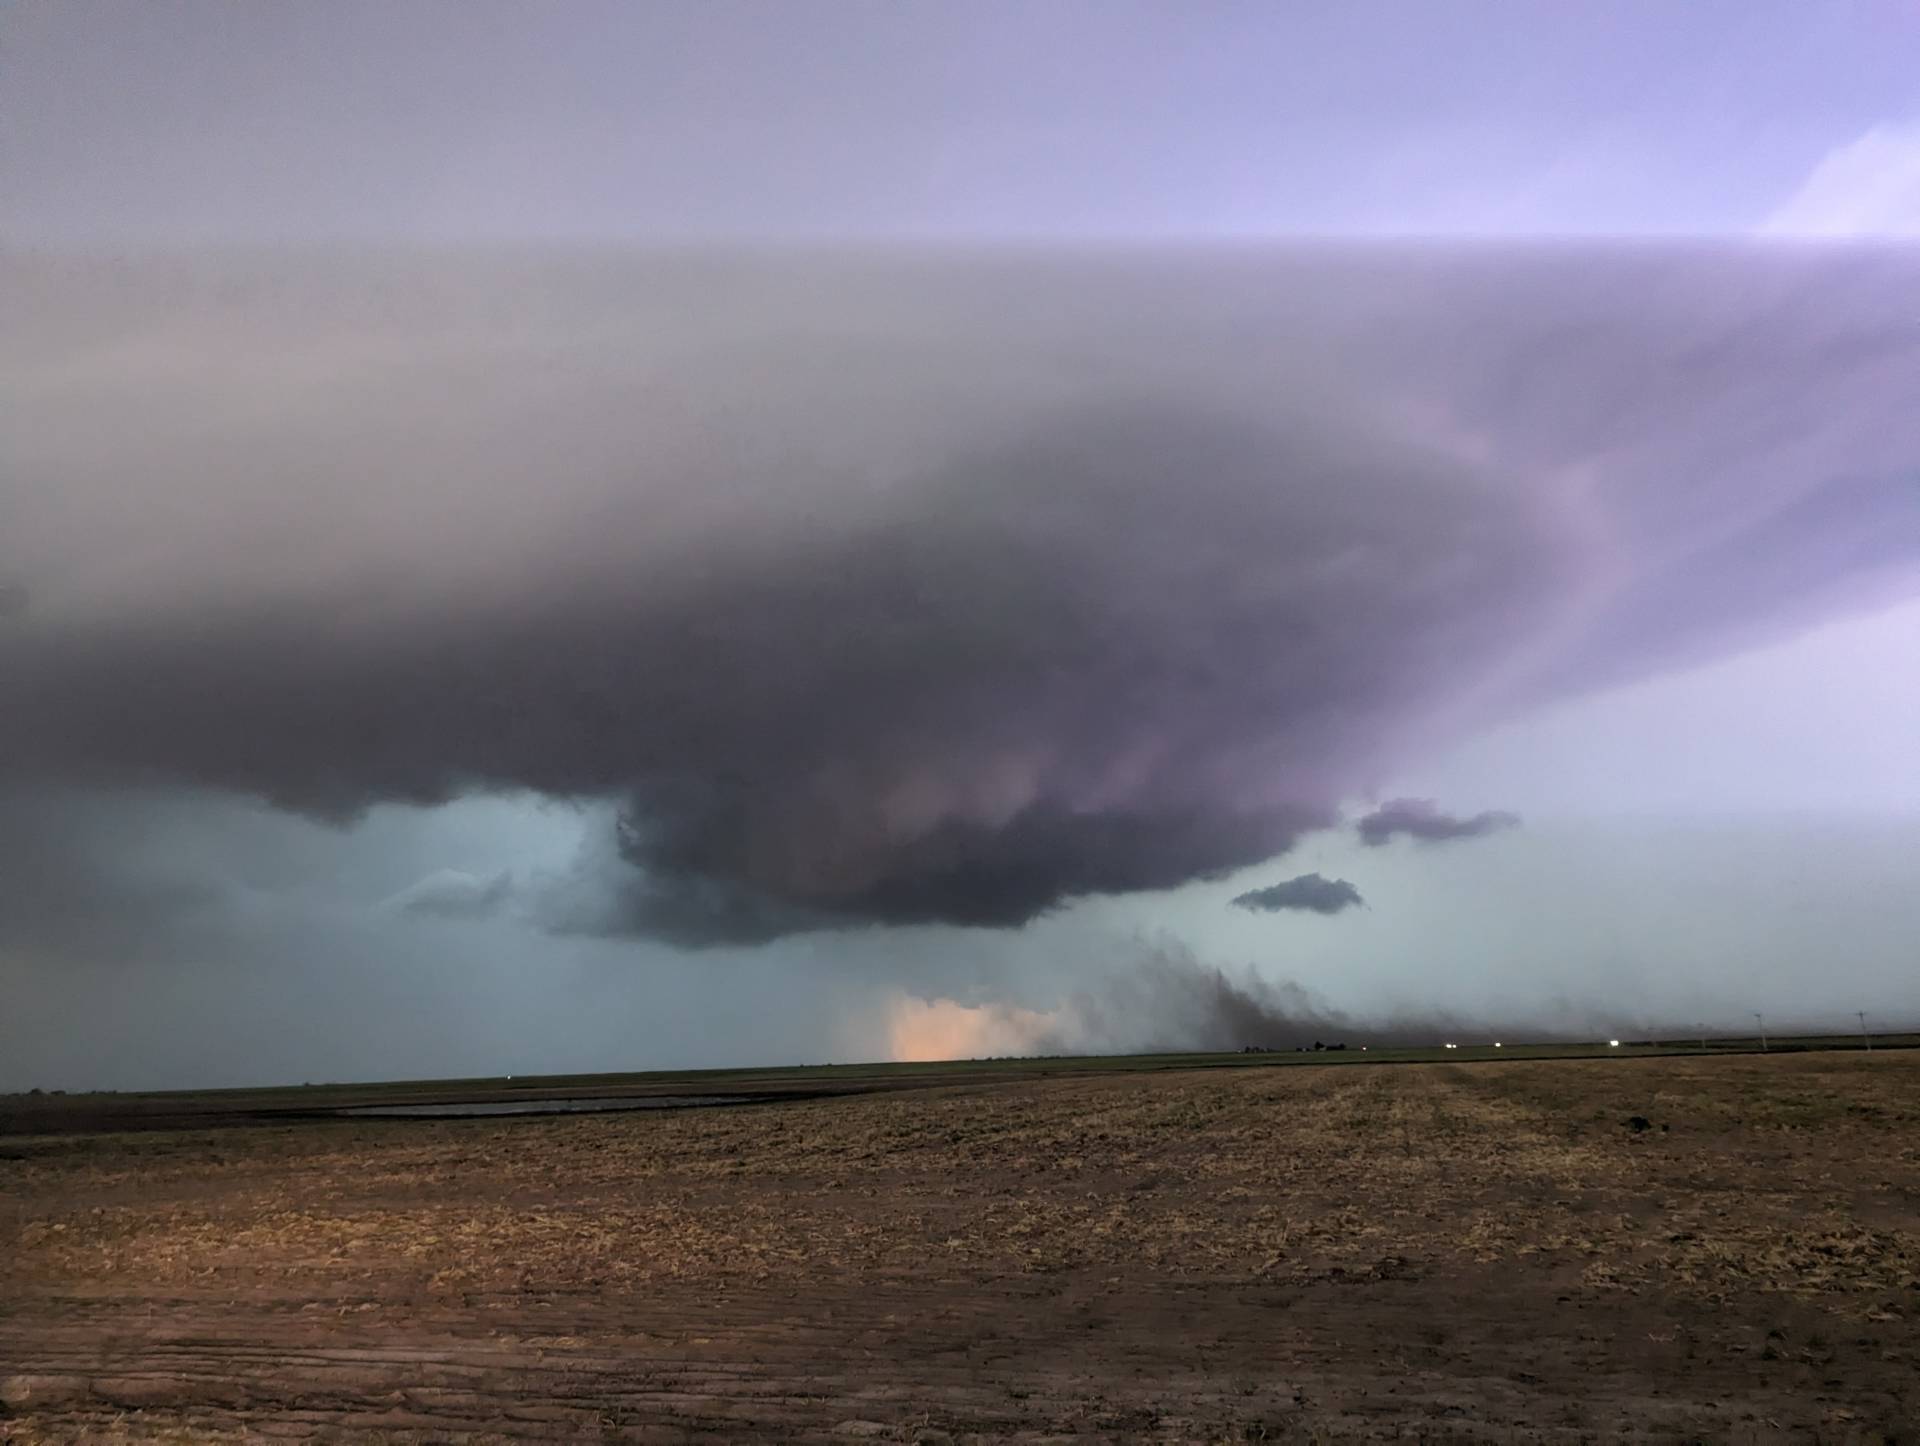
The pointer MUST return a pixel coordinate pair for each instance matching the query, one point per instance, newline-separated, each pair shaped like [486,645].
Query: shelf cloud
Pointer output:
[915,587]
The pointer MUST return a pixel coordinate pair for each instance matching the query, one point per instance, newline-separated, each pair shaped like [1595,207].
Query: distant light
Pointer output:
[1614,1042]
[1496,1044]
[1453,1046]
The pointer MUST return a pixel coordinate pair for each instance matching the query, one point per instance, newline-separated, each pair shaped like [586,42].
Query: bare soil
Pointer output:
[1440,1252]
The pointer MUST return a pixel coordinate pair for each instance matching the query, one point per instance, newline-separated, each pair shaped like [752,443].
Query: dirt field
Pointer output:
[1441,1252]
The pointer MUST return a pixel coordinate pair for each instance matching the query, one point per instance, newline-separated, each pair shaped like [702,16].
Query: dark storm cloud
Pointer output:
[1312,893]
[923,588]
[1421,819]
[1167,999]
[958,872]
[14,601]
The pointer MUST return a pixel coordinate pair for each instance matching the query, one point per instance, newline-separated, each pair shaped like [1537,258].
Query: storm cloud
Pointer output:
[1311,893]
[1157,995]
[1160,997]
[913,587]
[1421,819]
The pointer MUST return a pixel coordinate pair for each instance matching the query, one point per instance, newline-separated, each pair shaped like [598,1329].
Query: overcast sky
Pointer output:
[473,118]
[422,660]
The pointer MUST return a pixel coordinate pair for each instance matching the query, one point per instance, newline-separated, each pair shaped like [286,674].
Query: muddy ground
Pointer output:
[1439,1252]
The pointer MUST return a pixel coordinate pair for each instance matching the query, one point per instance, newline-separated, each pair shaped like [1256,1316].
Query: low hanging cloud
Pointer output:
[454,894]
[906,588]
[1421,819]
[1311,893]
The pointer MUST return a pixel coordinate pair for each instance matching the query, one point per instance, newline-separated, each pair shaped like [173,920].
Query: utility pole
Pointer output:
[1863,1029]
[1757,1019]
[1703,1037]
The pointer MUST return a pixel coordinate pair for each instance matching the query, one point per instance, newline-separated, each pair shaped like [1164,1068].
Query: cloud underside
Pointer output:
[1309,893]
[938,590]
[1422,820]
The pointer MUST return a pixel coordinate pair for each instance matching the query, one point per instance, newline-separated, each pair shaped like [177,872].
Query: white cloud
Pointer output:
[1868,187]
[449,893]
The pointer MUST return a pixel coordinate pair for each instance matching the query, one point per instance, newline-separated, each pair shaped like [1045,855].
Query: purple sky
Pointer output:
[597,119]
[1619,540]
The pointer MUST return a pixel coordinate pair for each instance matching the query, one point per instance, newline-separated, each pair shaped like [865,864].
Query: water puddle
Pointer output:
[467,1109]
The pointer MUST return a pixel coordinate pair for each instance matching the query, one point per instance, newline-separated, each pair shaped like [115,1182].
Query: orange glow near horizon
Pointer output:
[936,1029]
